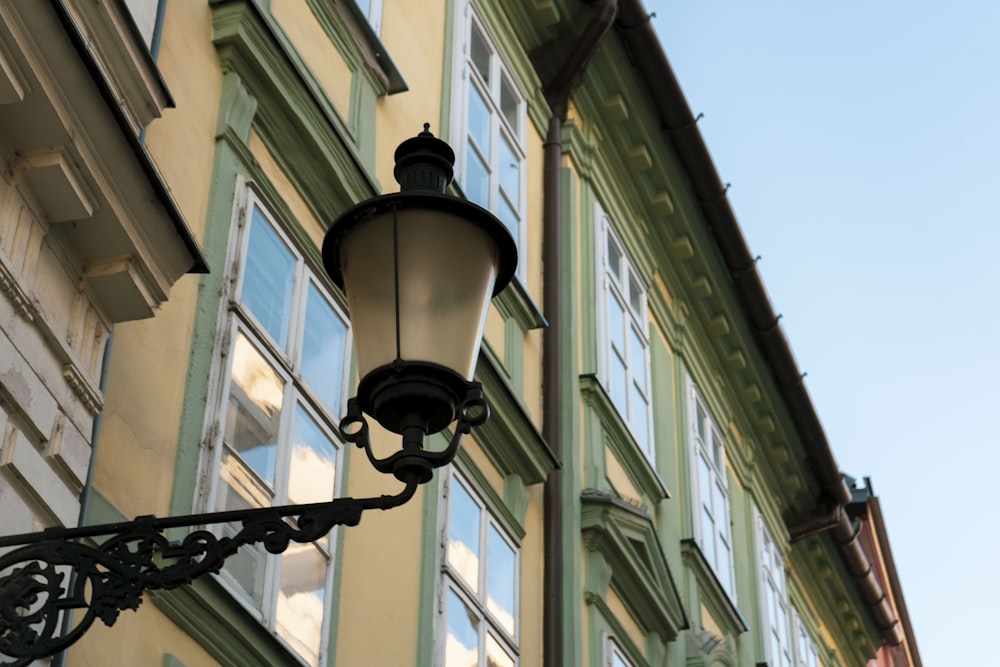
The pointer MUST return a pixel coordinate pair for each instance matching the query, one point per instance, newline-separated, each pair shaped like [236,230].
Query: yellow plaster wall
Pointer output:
[661,285]
[532,575]
[495,333]
[535,191]
[138,439]
[533,376]
[533,340]
[618,608]
[380,567]
[620,479]
[138,638]
[414,35]
[482,463]
[313,44]
[709,623]
[302,212]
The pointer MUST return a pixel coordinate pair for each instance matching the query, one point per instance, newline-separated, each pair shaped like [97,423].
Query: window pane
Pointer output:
[637,358]
[614,259]
[718,450]
[477,178]
[500,578]
[725,572]
[510,171]
[509,103]
[313,466]
[462,644]
[635,295]
[616,322]
[256,394]
[302,600]
[508,217]
[705,483]
[708,539]
[479,53]
[618,661]
[463,535]
[700,421]
[495,655]
[246,567]
[619,385]
[268,279]
[479,120]
[637,417]
[240,490]
[718,504]
[324,338]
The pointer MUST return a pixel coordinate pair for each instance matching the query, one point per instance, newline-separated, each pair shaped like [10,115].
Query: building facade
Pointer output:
[653,487]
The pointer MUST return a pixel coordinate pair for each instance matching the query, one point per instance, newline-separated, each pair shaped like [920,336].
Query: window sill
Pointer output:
[210,614]
[509,437]
[712,595]
[515,302]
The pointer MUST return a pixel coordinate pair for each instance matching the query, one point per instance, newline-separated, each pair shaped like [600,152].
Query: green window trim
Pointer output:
[213,617]
[509,437]
[292,111]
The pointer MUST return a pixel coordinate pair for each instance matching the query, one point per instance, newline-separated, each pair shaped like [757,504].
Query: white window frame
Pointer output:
[237,320]
[710,505]
[614,650]
[806,651]
[452,581]
[639,418]
[465,75]
[774,607]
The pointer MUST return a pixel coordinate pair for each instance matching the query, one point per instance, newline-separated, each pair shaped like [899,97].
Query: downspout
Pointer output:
[557,91]
[651,62]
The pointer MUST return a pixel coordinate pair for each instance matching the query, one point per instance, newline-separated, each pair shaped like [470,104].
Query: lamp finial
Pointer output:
[424,162]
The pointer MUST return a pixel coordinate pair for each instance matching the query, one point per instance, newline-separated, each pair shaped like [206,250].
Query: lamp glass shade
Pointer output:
[436,270]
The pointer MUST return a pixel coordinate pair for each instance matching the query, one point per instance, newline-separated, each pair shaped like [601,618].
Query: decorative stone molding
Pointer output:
[77,381]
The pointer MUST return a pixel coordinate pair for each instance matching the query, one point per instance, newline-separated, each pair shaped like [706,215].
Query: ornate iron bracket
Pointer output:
[52,575]
[53,572]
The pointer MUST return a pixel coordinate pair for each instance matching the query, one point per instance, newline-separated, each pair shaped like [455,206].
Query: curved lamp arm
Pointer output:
[50,575]
[413,459]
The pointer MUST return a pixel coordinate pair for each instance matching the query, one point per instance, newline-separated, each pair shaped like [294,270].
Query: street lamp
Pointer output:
[419,268]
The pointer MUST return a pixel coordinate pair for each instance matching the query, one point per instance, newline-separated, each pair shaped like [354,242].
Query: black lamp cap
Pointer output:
[424,162]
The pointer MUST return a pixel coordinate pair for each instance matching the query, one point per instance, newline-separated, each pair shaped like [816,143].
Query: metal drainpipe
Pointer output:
[552,501]
[557,93]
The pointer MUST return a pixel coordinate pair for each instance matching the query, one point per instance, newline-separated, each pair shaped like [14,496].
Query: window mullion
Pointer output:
[297,315]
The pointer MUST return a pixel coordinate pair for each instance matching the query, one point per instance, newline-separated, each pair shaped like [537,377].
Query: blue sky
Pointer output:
[862,142]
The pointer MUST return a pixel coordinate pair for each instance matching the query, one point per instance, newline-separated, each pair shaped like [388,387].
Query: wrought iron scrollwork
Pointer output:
[53,575]
[54,572]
